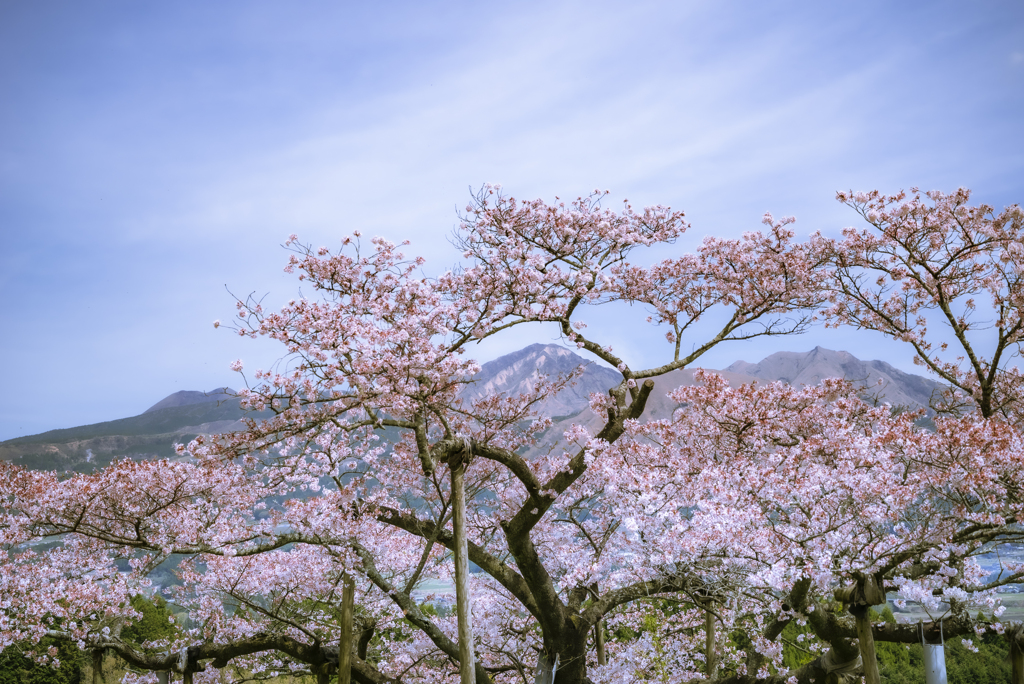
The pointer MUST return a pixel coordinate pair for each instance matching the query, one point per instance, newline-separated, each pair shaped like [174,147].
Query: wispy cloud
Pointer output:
[149,157]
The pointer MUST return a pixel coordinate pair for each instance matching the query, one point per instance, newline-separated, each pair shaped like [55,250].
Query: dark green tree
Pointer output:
[155,623]
[18,668]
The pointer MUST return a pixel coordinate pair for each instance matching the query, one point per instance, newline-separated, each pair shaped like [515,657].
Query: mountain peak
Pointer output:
[187,397]
[811,367]
[519,371]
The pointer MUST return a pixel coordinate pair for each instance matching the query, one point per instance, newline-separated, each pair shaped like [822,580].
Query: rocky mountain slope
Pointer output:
[183,415]
[878,378]
[519,372]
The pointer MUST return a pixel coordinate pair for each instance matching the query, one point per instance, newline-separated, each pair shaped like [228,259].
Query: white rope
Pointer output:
[828,664]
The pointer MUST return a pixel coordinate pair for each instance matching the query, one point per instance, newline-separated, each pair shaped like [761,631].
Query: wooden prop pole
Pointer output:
[710,645]
[867,645]
[1015,635]
[348,594]
[467,666]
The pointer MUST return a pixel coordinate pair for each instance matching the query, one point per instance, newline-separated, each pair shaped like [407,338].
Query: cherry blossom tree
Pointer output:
[801,491]
[946,278]
[931,262]
[621,548]
[382,349]
[531,263]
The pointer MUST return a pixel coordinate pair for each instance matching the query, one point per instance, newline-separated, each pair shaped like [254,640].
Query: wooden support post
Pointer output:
[602,657]
[467,666]
[710,645]
[867,644]
[186,675]
[866,592]
[348,594]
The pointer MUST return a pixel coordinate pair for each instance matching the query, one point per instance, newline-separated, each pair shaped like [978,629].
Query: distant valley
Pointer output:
[181,416]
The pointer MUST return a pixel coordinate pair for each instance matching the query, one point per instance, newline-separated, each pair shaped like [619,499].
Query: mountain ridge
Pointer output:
[519,371]
[181,416]
[189,397]
[879,379]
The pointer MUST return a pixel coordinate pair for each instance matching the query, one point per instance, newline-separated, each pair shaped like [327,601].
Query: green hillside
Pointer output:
[152,434]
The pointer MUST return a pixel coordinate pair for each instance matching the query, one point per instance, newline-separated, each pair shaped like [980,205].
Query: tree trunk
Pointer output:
[97,667]
[1015,635]
[572,658]
[467,668]
[867,644]
[602,658]
[710,645]
[348,594]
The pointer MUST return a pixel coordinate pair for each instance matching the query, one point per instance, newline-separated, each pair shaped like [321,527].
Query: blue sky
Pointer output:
[153,153]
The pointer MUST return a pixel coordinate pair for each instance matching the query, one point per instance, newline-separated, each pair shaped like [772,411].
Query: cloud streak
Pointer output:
[153,154]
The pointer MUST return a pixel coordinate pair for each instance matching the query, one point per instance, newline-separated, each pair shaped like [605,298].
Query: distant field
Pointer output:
[437,588]
[1013,602]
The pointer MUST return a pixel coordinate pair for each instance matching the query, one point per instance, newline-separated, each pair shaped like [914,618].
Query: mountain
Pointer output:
[189,397]
[519,372]
[181,416]
[177,418]
[659,405]
[896,387]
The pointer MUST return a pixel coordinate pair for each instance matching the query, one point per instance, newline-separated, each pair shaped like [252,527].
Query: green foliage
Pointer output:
[899,663]
[796,650]
[904,663]
[154,624]
[18,668]
[990,665]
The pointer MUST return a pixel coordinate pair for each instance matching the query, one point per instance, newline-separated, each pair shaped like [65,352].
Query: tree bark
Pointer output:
[348,594]
[97,666]
[710,646]
[1015,635]
[467,667]
[602,657]
[572,658]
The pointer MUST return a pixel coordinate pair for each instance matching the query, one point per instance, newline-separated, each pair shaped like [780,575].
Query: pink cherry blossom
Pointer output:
[741,512]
